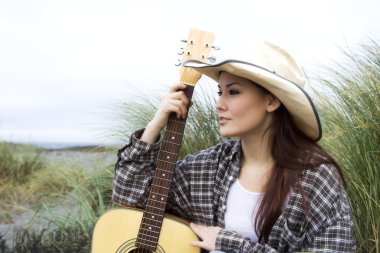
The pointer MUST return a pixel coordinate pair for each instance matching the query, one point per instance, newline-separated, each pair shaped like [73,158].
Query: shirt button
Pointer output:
[224,207]
[230,178]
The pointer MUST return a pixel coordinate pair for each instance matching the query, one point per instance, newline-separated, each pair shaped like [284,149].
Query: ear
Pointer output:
[272,103]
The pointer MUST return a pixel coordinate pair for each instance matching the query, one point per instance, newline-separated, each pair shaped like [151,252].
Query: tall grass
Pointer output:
[18,162]
[201,129]
[350,109]
[72,200]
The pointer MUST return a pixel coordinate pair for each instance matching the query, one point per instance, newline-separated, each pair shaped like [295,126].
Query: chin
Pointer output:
[227,134]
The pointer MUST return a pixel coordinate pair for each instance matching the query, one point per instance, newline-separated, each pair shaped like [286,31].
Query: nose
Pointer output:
[220,104]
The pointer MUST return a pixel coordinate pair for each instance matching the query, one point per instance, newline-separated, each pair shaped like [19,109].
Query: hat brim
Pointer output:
[294,98]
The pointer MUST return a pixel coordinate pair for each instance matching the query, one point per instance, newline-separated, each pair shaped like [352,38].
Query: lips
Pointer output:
[223,120]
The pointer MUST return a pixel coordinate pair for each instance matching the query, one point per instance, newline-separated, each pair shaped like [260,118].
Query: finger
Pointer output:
[180,108]
[179,95]
[198,230]
[175,108]
[197,244]
[176,87]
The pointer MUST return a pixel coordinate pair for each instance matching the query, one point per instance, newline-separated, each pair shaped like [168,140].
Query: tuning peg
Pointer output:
[178,63]
[215,47]
[212,59]
[185,41]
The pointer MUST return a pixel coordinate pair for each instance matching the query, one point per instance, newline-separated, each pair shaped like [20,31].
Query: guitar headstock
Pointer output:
[198,47]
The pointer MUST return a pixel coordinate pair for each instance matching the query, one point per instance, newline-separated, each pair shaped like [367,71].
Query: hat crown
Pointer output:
[272,58]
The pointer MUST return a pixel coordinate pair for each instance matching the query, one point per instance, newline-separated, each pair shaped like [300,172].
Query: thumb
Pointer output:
[196,244]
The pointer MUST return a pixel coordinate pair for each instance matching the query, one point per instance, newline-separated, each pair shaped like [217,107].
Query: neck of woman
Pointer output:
[256,150]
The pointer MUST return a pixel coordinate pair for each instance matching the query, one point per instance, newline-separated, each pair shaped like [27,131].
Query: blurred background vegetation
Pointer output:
[70,198]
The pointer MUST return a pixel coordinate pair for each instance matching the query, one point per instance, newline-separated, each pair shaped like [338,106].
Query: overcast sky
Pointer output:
[63,62]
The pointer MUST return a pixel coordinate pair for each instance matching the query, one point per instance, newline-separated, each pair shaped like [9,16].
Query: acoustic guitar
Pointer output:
[131,230]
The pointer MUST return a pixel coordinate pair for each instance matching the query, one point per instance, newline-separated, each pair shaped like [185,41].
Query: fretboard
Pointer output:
[151,223]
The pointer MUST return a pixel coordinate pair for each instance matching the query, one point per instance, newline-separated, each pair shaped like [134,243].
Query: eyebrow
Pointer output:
[229,84]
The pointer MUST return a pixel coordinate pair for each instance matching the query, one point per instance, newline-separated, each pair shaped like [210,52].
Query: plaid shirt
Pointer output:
[199,192]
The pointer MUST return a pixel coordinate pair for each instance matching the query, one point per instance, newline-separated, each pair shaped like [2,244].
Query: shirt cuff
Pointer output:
[229,241]
[137,149]
[136,136]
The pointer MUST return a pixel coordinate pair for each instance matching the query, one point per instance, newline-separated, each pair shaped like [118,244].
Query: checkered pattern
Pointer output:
[199,192]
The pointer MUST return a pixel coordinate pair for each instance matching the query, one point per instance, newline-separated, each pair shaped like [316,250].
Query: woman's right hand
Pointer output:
[175,101]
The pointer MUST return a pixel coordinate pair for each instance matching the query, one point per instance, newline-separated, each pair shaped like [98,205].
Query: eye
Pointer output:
[234,92]
[219,93]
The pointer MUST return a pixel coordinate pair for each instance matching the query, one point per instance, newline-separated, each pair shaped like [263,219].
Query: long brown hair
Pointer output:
[293,152]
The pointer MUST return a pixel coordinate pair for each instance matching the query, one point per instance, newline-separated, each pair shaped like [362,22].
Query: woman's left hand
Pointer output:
[207,234]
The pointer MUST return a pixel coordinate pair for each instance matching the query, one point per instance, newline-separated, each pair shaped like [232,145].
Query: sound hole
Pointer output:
[140,251]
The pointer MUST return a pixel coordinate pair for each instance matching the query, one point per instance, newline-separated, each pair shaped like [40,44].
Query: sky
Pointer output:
[63,64]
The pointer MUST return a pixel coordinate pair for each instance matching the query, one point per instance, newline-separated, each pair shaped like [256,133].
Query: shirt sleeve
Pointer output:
[134,171]
[331,217]
[230,241]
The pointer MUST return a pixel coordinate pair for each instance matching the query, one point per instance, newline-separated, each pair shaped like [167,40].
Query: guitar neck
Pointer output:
[155,208]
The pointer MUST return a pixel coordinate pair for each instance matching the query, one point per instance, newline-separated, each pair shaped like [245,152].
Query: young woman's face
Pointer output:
[242,107]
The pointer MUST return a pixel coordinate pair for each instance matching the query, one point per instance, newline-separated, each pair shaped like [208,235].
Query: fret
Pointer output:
[151,230]
[170,146]
[149,227]
[170,153]
[144,239]
[157,209]
[167,145]
[164,161]
[162,172]
[179,135]
[172,133]
[159,201]
[160,209]
[170,140]
[176,126]
[161,186]
[160,194]
[152,235]
[148,245]
[179,121]
[167,180]
[159,182]
[164,182]
[152,220]
[152,213]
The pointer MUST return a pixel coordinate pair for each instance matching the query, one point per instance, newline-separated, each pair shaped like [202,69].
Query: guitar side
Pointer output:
[116,231]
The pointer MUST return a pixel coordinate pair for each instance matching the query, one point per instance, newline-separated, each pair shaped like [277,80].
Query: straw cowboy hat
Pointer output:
[274,69]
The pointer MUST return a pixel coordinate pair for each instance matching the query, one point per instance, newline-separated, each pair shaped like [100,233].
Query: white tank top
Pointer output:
[242,206]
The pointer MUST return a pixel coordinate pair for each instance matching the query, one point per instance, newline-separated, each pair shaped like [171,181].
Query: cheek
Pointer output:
[251,109]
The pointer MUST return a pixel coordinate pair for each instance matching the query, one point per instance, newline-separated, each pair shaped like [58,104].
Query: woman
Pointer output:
[272,189]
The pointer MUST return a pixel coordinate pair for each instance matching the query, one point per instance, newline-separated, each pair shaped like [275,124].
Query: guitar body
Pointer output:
[117,230]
